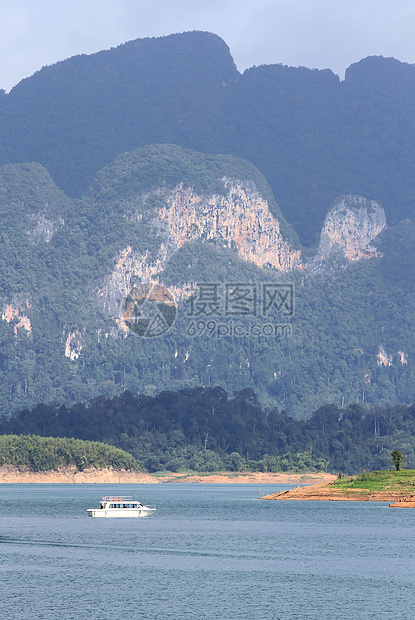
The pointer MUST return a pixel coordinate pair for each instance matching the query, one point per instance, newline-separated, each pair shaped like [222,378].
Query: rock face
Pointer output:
[241,219]
[350,226]
[14,312]
[384,358]
[44,228]
[74,345]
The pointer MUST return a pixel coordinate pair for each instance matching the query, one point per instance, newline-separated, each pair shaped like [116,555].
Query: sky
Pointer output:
[318,34]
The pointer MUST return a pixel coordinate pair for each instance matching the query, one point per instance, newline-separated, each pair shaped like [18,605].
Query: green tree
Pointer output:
[234,462]
[398,459]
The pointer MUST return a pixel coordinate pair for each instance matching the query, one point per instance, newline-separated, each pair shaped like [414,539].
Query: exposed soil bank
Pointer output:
[70,475]
[10,474]
[408,502]
[247,477]
[325,491]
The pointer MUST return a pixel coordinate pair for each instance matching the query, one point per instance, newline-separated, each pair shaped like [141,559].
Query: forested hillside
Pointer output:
[313,136]
[66,266]
[206,430]
[47,453]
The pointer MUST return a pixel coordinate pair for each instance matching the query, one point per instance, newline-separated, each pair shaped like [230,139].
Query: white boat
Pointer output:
[120,507]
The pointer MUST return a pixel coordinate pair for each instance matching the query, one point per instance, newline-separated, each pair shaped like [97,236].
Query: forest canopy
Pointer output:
[203,429]
[50,453]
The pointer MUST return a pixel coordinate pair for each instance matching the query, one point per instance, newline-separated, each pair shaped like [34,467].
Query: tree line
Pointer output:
[204,429]
[49,453]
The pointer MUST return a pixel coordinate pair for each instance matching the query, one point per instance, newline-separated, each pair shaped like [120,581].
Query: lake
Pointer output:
[210,551]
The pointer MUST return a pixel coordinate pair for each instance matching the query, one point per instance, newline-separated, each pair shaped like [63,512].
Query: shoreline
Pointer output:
[325,492]
[69,475]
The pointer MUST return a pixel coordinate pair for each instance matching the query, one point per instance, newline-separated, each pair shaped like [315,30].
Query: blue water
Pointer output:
[209,552]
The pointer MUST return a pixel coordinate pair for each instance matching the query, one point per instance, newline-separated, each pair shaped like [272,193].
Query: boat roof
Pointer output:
[112,498]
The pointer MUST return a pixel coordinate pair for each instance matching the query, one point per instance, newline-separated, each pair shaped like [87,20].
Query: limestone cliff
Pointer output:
[240,219]
[14,313]
[350,226]
[383,358]
[74,344]
[44,228]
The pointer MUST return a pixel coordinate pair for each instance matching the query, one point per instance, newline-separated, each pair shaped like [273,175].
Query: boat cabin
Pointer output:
[119,502]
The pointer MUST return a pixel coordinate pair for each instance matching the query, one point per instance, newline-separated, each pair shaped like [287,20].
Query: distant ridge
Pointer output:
[75,116]
[311,135]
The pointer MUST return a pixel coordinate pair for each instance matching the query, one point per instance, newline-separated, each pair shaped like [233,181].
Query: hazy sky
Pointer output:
[314,33]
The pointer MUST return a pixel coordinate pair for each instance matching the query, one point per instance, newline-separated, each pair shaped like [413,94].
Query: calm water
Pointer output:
[210,551]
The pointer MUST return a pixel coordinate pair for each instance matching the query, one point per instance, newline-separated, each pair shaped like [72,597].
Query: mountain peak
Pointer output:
[380,72]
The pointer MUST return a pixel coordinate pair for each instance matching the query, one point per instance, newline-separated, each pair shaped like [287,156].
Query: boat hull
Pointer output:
[120,512]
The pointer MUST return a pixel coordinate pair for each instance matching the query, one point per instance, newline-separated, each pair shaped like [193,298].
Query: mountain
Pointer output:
[312,136]
[75,116]
[177,269]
